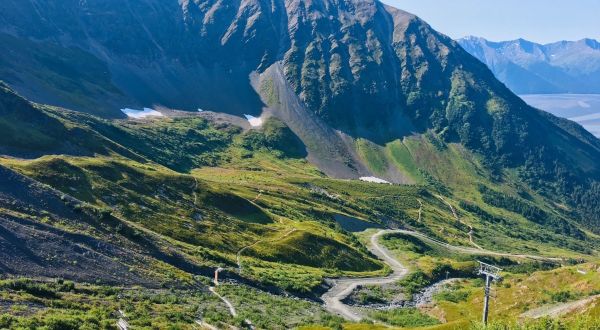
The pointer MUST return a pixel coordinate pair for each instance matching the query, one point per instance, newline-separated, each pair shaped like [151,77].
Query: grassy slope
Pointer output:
[210,190]
[455,174]
[66,305]
[138,176]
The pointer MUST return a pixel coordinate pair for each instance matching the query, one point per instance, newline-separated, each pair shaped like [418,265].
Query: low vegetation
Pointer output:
[404,317]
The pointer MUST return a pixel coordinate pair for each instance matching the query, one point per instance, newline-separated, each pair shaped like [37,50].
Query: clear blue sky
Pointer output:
[536,20]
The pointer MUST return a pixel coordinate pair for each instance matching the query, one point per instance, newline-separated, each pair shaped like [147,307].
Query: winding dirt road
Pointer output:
[342,288]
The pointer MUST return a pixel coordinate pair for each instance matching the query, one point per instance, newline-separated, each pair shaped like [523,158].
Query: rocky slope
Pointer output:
[531,68]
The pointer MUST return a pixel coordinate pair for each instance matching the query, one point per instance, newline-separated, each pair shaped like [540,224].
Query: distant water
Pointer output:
[581,108]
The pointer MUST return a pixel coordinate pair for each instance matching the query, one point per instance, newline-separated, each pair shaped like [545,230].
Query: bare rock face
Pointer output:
[340,57]
[351,62]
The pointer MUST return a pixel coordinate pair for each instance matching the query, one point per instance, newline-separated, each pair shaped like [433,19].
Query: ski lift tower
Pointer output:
[492,273]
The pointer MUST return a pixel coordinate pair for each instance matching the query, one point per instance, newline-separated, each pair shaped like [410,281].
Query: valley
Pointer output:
[337,164]
[289,213]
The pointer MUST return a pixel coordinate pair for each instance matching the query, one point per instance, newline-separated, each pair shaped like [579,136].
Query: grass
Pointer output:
[579,322]
[452,295]
[404,317]
[304,248]
[268,311]
[220,219]
[373,156]
[402,158]
[518,293]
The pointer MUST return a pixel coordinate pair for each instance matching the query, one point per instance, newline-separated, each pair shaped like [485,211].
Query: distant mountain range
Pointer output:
[531,68]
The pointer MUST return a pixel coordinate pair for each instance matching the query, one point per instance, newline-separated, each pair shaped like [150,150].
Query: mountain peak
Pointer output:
[592,43]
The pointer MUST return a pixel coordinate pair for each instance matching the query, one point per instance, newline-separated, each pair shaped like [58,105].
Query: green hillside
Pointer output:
[185,195]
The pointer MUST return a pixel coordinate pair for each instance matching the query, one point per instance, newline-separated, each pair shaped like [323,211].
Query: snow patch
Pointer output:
[254,121]
[373,179]
[138,114]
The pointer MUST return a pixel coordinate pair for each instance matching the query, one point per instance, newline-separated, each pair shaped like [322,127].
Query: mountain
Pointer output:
[341,91]
[531,68]
[336,72]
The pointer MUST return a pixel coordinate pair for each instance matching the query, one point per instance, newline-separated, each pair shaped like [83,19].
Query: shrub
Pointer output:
[41,290]
[561,296]
[454,296]
[6,321]
[414,282]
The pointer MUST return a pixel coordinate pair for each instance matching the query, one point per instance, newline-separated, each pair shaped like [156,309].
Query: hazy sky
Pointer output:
[536,20]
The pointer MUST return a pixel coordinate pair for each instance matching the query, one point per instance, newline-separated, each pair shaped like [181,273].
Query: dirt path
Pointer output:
[558,310]
[342,288]
[229,305]
[206,325]
[194,190]
[457,218]
[122,324]
[232,310]
[260,193]
[239,255]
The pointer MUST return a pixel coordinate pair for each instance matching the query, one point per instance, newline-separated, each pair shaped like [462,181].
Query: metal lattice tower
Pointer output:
[492,273]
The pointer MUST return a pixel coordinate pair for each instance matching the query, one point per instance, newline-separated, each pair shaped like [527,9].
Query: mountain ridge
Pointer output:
[532,68]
